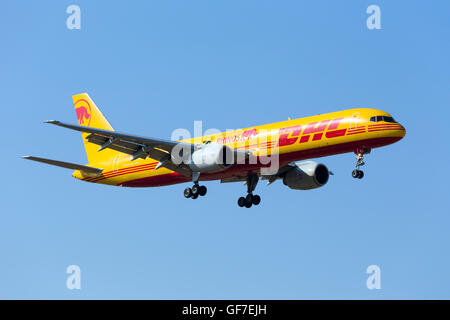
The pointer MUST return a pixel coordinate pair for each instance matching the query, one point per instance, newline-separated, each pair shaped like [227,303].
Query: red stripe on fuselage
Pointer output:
[123,171]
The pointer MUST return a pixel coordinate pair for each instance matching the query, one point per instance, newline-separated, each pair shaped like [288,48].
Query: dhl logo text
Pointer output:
[291,135]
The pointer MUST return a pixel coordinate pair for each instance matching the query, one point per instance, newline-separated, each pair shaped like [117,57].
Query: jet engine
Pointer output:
[212,157]
[306,175]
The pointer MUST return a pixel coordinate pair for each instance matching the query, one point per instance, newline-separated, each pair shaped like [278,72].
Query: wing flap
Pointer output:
[116,144]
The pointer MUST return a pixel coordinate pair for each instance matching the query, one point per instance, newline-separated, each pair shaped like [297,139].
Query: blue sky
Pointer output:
[154,66]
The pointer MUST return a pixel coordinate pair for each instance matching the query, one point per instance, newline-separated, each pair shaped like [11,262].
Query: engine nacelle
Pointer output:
[306,175]
[212,157]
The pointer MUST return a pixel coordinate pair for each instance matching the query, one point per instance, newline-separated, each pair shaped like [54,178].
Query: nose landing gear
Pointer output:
[360,152]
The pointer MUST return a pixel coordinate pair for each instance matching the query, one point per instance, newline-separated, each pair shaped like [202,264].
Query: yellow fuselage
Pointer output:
[350,130]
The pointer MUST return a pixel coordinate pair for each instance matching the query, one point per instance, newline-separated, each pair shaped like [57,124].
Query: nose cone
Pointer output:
[402,131]
[392,132]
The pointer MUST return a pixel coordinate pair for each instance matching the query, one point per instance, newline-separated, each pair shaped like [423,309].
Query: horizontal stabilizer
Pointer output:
[67,165]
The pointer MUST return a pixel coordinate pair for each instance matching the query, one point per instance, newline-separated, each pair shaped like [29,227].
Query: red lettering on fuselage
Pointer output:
[291,135]
[248,134]
[245,136]
[314,127]
[334,125]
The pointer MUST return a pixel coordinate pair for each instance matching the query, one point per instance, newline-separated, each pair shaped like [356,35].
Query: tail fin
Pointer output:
[90,116]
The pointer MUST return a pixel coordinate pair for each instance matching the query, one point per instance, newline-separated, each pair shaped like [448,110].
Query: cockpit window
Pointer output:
[389,119]
[382,118]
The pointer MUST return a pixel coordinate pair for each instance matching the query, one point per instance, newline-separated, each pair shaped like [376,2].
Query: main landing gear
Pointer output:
[250,199]
[196,189]
[359,174]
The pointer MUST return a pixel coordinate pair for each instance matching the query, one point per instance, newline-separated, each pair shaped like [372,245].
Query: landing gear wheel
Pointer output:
[187,193]
[202,190]
[250,199]
[357,174]
[195,189]
[256,199]
[361,174]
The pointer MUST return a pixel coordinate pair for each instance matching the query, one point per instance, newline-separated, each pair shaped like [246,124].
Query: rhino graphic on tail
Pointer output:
[82,115]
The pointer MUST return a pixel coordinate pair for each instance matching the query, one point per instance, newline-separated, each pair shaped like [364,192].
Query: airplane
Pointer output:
[121,159]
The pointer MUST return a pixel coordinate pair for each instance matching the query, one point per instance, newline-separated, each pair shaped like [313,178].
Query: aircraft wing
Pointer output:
[137,146]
